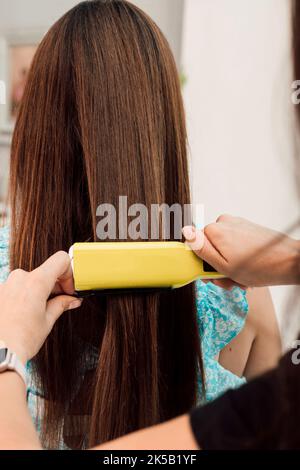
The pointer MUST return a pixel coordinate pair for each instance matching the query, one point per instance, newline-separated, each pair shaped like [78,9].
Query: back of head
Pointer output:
[102,116]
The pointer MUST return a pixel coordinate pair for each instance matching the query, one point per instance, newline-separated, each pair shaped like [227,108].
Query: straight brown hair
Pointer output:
[102,116]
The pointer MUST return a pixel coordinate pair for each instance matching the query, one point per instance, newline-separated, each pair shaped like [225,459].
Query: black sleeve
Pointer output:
[263,414]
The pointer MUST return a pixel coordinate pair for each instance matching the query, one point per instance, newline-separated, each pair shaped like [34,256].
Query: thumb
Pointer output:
[203,248]
[57,306]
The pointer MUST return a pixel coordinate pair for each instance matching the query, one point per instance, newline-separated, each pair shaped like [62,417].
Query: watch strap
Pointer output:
[16,365]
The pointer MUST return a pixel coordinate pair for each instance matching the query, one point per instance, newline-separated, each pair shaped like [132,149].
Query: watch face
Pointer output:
[3,354]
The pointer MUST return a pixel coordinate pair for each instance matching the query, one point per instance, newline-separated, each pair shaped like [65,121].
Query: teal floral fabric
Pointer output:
[221,315]
[4,261]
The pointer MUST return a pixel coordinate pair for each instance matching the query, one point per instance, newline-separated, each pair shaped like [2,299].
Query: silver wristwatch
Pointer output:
[10,362]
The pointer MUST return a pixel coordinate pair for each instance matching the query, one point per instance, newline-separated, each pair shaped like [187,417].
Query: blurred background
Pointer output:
[234,58]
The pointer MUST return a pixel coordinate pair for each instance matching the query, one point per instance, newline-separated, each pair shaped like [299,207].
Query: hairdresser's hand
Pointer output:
[247,253]
[26,314]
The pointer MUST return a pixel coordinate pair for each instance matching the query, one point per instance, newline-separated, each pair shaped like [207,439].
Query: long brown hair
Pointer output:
[102,116]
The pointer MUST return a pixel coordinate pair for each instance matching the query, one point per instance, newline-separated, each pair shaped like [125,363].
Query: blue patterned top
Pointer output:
[221,315]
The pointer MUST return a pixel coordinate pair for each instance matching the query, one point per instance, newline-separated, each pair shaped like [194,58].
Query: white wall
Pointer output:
[236,55]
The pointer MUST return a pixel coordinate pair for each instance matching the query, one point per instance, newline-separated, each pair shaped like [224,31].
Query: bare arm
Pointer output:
[266,348]
[258,347]
[172,435]
[17,430]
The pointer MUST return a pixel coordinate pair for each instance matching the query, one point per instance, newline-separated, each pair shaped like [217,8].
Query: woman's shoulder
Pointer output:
[221,298]
[4,252]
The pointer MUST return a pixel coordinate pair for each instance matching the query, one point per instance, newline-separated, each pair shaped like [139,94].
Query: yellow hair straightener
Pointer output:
[109,267]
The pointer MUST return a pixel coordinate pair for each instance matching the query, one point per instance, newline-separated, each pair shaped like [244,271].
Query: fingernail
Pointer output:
[75,304]
[196,243]
[189,233]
